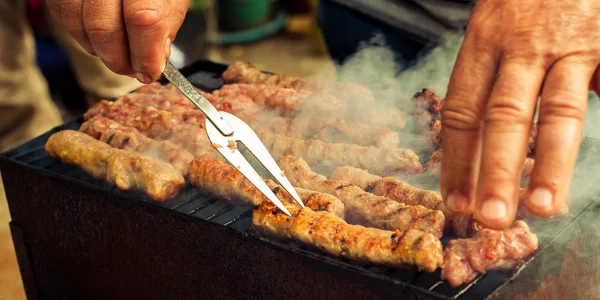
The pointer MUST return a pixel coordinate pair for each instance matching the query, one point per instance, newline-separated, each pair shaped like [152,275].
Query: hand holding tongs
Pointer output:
[220,130]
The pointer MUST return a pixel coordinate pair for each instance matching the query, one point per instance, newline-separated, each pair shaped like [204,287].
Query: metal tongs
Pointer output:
[224,131]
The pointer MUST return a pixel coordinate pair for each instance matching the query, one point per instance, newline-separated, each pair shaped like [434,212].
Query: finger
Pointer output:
[595,82]
[561,114]
[103,23]
[68,13]
[147,23]
[468,90]
[507,124]
[178,13]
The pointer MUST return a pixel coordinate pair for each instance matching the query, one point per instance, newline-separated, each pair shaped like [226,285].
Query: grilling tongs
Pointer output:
[224,130]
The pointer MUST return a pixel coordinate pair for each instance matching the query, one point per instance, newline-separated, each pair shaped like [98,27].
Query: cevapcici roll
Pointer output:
[490,249]
[149,120]
[379,161]
[127,170]
[157,124]
[392,188]
[131,139]
[334,236]
[340,131]
[244,72]
[323,98]
[221,180]
[378,116]
[362,207]
[329,130]
[289,101]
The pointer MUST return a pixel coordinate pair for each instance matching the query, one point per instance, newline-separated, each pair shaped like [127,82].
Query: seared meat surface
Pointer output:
[243,72]
[392,188]
[464,259]
[129,138]
[127,170]
[362,207]
[340,131]
[334,236]
[379,161]
[289,101]
[220,180]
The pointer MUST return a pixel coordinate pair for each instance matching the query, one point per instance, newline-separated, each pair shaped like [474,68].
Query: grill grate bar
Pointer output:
[436,285]
[30,152]
[222,211]
[238,214]
[202,206]
[176,206]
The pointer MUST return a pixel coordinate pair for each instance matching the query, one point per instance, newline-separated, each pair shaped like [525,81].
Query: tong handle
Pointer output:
[212,114]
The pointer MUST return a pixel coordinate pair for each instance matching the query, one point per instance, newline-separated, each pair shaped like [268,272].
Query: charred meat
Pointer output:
[334,236]
[362,207]
[220,180]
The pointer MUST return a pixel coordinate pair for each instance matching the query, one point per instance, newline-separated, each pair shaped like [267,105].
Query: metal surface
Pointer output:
[227,146]
[84,238]
[219,128]
[181,83]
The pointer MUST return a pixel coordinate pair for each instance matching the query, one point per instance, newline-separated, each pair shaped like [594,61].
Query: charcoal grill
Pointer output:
[77,237]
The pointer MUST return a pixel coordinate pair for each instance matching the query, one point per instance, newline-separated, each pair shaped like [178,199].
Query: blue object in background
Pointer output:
[344,30]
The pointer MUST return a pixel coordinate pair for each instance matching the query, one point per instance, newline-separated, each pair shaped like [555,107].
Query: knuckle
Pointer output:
[500,172]
[147,16]
[562,105]
[102,33]
[460,116]
[507,112]
[115,64]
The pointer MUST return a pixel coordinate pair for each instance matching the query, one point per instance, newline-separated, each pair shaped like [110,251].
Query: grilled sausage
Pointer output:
[362,207]
[334,236]
[221,180]
[127,170]
[131,139]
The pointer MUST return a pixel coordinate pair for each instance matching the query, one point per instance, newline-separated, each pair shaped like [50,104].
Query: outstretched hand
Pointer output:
[515,51]
[132,37]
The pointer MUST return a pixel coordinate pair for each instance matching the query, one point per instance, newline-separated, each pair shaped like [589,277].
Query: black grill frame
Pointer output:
[51,204]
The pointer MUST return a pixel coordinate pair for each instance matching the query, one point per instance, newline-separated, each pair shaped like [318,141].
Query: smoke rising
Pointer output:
[393,84]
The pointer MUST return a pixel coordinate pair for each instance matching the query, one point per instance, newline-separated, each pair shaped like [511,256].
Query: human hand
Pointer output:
[132,37]
[515,51]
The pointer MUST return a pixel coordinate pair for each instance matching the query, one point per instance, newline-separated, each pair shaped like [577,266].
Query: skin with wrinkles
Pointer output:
[513,52]
[132,37]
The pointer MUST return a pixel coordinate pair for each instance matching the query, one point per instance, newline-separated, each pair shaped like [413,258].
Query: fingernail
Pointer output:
[142,78]
[168,47]
[457,202]
[541,198]
[494,209]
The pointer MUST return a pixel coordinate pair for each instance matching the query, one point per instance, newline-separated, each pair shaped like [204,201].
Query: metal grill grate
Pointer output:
[191,202]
